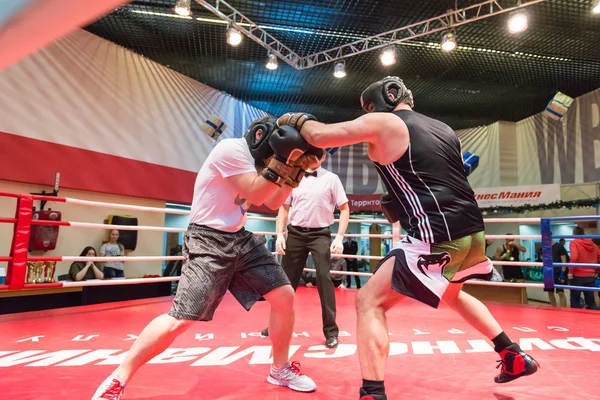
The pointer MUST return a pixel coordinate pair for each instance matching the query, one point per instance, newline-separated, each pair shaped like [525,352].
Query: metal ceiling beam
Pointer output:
[440,23]
[451,19]
[252,30]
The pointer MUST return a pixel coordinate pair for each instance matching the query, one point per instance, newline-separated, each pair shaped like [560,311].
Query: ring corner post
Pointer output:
[547,253]
[17,267]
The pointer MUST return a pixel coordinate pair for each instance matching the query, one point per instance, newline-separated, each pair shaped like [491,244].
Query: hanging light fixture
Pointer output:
[234,37]
[271,62]
[388,56]
[596,7]
[183,7]
[517,21]
[448,42]
[339,70]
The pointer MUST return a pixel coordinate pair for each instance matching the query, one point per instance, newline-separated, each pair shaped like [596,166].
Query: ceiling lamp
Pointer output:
[388,56]
[596,7]
[271,62]
[517,22]
[183,8]
[234,37]
[339,70]
[448,41]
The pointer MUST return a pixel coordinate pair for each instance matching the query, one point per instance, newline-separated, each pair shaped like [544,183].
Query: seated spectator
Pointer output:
[583,251]
[113,269]
[174,266]
[351,248]
[82,271]
[336,264]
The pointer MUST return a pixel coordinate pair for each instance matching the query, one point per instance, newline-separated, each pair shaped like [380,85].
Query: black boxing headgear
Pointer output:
[260,149]
[385,95]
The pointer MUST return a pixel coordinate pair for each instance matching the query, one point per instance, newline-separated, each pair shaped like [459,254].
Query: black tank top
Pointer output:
[437,203]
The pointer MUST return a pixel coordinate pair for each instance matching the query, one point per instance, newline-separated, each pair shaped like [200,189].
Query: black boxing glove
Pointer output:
[295,120]
[288,145]
[315,151]
[389,207]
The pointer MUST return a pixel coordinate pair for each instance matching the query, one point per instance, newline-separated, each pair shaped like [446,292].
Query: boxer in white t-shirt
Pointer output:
[220,255]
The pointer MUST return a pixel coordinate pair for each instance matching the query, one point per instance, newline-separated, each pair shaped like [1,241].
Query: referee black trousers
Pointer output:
[318,242]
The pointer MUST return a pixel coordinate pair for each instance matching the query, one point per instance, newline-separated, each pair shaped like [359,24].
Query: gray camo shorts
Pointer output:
[217,261]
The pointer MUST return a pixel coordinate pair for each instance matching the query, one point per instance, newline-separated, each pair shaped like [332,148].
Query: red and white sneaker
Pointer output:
[112,388]
[291,376]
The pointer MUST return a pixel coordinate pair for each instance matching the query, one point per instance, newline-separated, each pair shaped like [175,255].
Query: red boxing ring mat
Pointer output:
[66,353]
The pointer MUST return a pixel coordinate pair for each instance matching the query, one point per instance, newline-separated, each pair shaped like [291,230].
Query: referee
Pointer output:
[310,208]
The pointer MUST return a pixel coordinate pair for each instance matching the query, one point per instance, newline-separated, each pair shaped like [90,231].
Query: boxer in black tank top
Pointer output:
[420,162]
[438,204]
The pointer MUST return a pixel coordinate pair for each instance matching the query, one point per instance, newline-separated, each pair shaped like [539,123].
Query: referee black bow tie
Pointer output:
[314,173]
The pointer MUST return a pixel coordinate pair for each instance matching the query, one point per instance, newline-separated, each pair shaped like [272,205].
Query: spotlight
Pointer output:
[339,70]
[234,37]
[448,41]
[271,62]
[517,22]
[388,56]
[596,7]
[183,7]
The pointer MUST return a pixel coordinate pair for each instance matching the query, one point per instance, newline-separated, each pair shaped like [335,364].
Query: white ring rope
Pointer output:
[132,281]
[178,258]
[112,282]
[473,282]
[262,233]
[125,227]
[523,220]
[258,218]
[125,206]
[122,259]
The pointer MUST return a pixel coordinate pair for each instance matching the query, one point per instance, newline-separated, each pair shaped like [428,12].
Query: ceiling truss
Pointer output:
[449,20]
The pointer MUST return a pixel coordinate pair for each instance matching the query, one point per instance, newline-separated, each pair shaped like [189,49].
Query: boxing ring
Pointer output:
[67,352]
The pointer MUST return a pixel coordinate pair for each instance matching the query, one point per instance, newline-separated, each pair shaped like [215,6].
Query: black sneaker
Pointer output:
[265,332]
[365,396]
[331,342]
[515,364]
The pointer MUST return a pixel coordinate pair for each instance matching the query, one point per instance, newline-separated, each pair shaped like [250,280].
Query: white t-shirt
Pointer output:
[216,203]
[314,200]
[112,250]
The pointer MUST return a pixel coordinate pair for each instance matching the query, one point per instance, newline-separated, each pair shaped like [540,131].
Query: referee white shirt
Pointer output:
[314,200]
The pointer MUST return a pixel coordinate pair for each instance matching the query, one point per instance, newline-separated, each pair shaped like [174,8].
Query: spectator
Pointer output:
[82,271]
[113,269]
[173,267]
[583,251]
[488,243]
[510,251]
[559,255]
[271,244]
[351,248]
[337,264]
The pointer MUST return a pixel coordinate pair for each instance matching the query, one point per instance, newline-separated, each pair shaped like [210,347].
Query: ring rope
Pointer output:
[186,212]
[131,281]
[263,233]
[471,282]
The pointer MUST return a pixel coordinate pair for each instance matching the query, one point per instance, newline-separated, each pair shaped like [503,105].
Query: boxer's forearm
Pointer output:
[262,190]
[253,187]
[280,196]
